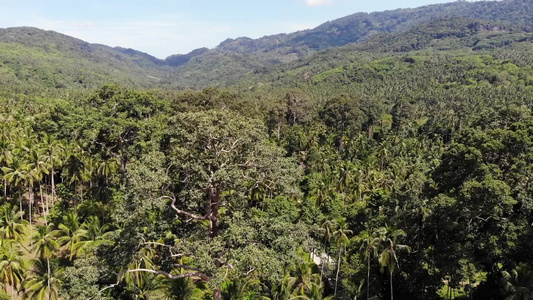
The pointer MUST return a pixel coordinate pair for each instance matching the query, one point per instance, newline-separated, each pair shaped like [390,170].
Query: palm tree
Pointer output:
[315,291]
[39,166]
[369,246]
[283,291]
[95,231]
[11,265]
[11,226]
[388,258]
[142,282]
[41,283]
[69,233]
[304,275]
[106,169]
[181,289]
[45,241]
[239,288]
[86,236]
[77,170]
[342,240]
[305,284]
[36,167]
[518,284]
[45,246]
[90,235]
[104,173]
[318,184]
[327,225]
[145,284]
[52,155]
[5,156]
[16,173]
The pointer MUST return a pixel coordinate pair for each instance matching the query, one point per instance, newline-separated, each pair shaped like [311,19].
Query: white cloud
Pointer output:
[318,2]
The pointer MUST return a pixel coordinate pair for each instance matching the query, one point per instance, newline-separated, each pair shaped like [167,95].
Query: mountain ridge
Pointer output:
[41,57]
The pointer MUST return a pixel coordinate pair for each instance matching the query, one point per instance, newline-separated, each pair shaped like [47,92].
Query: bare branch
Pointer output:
[168,275]
[109,151]
[249,272]
[483,219]
[108,287]
[182,212]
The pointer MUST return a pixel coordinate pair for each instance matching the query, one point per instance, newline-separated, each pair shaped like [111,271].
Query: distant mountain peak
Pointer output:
[79,62]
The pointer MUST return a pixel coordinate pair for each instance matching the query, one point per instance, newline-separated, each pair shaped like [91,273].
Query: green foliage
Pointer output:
[80,281]
[42,282]
[396,166]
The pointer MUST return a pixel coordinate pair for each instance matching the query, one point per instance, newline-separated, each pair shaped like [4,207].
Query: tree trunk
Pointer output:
[341,144]
[53,186]
[49,275]
[29,207]
[36,205]
[42,203]
[217,295]
[368,276]
[322,260]
[360,187]
[338,269]
[20,205]
[76,198]
[5,189]
[214,207]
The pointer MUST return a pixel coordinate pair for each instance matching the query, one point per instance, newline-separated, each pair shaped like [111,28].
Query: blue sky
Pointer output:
[164,27]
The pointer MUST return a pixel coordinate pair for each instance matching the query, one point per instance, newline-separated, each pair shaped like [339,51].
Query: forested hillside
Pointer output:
[232,60]
[396,167]
[31,57]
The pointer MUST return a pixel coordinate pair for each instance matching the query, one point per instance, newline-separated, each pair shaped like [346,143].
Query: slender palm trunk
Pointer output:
[37,210]
[20,206]
[338,269]
[53,184]
[360,187]
[29,207]
[49,274]
[368,277]
[217,295]
[45,209]
[322,260]
[12,286]
[81,194]
[76,198]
